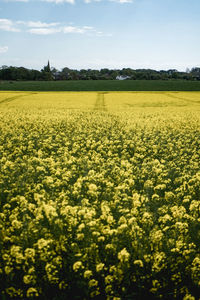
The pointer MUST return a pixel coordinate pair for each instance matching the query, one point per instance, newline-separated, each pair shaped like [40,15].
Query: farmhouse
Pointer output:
[122,77]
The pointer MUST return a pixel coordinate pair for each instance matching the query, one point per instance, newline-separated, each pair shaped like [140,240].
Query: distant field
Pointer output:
[108,101]
[101,85]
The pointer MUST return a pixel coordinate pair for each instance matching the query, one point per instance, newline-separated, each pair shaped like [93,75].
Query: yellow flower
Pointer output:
[30,254]
[92,187]
[100,267]
[93,283]
[32,292]
[139,263]
[8,270]
[123,255]
[87,274]
[77,266]
[28,279]
[16,224]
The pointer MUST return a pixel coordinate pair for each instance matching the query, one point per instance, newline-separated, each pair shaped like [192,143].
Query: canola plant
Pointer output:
[100,195]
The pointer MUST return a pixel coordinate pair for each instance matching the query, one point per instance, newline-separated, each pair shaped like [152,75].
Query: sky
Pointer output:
[95,34]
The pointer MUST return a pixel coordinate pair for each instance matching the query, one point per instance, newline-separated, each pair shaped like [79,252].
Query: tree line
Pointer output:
[47,73]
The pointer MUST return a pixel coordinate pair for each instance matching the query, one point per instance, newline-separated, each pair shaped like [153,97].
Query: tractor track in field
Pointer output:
[182,98]
[100,104]
[10,99]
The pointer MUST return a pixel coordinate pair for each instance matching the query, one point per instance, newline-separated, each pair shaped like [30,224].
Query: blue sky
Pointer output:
[157,34]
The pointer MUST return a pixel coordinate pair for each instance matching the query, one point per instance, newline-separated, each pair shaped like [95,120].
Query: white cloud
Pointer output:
[88,27]
[52,28]
[90,1]
[3,49]
[122,1]
[62,29]
[125,1]
[60,1]
[100,33]
[8,25]
[37,24]
[43,28]
[72,1]
[44,31]
[17,0]
[41,24]
[118,1]
[88,30]
[73,29]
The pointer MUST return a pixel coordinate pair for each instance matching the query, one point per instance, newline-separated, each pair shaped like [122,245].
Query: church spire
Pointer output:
[48,67]
[47,74]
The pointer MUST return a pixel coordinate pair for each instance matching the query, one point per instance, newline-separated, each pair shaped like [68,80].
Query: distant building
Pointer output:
[122,77]
[46,71]
[48,67]
[56,75]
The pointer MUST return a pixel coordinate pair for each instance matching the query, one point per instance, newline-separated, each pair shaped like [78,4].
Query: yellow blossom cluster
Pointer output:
[96,203]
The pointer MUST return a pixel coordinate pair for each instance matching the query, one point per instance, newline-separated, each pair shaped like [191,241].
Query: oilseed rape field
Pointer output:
[100,195]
